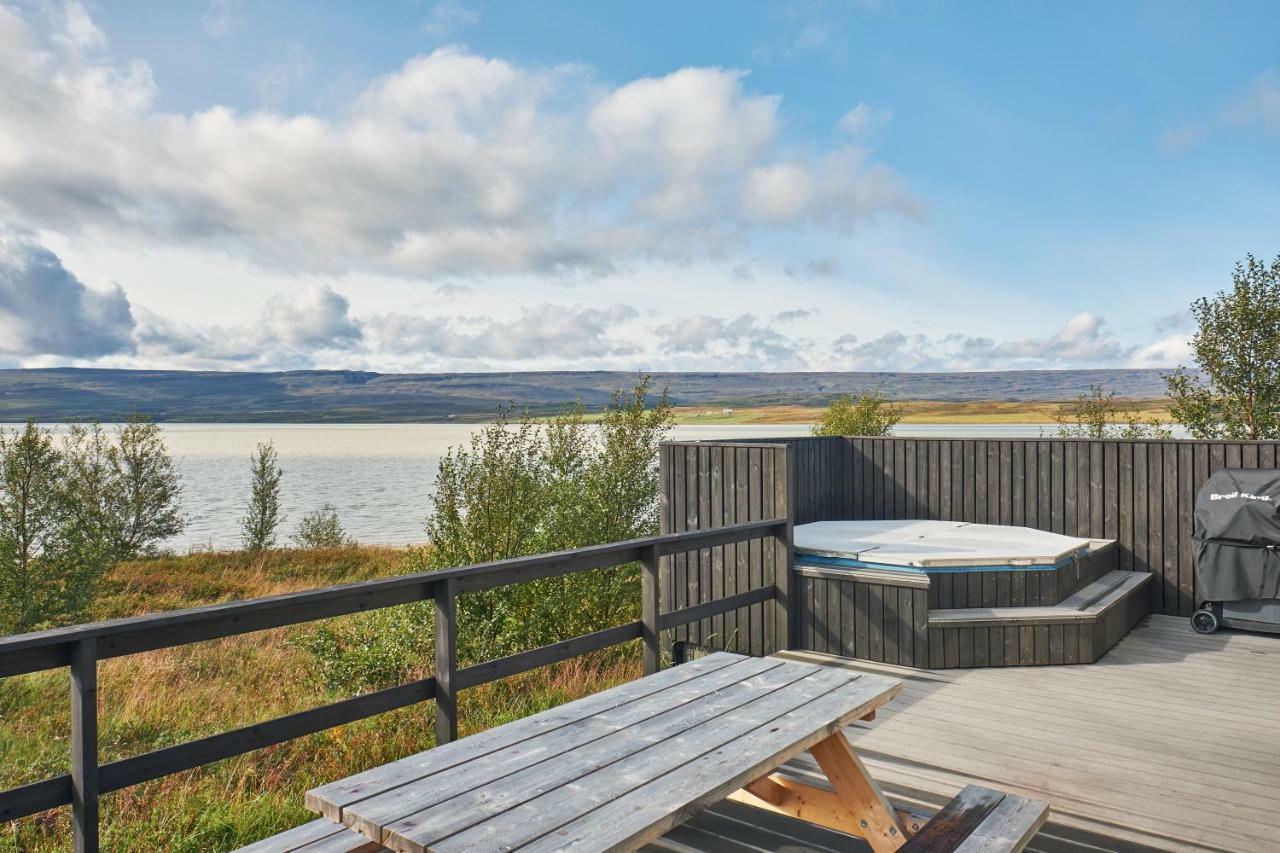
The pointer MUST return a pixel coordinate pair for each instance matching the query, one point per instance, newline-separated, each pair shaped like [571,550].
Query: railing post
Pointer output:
[446,598]
[650,609]
[784,543]
[84,745]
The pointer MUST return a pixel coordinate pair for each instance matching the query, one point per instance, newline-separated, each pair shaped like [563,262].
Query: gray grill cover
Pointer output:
[1237,535]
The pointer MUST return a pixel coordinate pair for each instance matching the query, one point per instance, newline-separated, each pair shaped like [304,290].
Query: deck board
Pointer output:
[1169,740]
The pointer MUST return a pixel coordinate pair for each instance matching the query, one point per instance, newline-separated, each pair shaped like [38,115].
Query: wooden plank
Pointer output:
[84,745]
[1171,515]
[755,574]
[1009,827]
[486,805]
[853,785]
[706,578]
[318,836]
[446,661]
[1033,483]
[959,819]
[715,518]
[729,571]
[693,569]
[784,478]
[679,523]
[642,813]
[1186,501]
[1125,453]
[1057,488]
[920,656]
[875,623]
[862,620]
[906,626]
[742,512]
[1155,521]
[850,619]
[331,798]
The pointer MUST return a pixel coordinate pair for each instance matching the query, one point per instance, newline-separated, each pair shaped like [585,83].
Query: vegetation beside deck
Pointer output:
[175,695]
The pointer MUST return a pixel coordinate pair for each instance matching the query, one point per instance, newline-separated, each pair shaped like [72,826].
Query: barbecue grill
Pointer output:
[1237,550]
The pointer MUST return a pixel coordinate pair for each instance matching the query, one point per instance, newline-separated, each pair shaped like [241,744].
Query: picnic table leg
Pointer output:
[877,823]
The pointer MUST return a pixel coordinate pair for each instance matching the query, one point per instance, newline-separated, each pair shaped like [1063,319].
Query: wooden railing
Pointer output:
[81,647]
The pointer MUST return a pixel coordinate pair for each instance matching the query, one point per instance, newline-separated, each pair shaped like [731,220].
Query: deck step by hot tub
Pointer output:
[1079,629]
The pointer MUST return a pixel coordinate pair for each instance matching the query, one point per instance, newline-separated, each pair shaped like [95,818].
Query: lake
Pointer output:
[379,476]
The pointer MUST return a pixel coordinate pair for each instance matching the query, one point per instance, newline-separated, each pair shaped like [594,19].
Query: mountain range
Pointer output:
[319,396]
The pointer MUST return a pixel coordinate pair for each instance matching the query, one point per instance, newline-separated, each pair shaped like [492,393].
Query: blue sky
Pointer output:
[484,185]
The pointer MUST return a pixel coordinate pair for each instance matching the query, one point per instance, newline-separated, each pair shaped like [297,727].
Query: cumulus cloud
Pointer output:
[46,310]
[453,164]
[545,331]
[317,317]
[1083,341]
[742,338]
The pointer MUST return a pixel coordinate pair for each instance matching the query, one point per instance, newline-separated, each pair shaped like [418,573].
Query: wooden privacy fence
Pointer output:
[1139,493]
[82,646]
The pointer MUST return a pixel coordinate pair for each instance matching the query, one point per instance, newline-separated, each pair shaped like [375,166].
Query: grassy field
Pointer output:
[170,696]
[918,412]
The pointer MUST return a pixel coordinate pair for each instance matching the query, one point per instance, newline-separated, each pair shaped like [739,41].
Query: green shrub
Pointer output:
[321,528]
[871,414]
[517,489]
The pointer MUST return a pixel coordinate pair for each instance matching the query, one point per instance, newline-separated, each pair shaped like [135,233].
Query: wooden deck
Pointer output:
[1171,741]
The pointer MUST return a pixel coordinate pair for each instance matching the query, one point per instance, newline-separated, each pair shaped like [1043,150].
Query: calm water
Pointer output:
[379,476]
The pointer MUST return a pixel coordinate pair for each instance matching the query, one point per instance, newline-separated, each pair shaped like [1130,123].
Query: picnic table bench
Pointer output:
[618,769]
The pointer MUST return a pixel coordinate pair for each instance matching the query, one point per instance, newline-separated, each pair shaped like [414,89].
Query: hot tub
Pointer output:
[920,545]
[962,564]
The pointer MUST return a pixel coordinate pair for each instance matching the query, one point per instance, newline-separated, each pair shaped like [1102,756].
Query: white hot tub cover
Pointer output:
[925,544]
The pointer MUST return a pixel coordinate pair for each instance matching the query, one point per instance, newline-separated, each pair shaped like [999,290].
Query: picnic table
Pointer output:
[617,769]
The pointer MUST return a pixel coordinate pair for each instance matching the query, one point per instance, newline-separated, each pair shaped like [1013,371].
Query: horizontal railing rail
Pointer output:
[81,647]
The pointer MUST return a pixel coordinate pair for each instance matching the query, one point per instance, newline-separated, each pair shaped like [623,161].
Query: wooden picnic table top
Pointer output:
[611,771]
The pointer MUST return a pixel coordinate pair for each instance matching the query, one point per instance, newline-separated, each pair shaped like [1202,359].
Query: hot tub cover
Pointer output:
[1237,535]
[926,544]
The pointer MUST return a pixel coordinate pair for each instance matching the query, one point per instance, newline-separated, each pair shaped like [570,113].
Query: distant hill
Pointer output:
[319,396]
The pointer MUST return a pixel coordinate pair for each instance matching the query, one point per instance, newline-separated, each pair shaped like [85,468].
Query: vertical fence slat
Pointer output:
[84,745]
[446,642]
[650,608]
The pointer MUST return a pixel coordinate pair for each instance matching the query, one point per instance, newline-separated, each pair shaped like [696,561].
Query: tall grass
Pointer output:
[169,696]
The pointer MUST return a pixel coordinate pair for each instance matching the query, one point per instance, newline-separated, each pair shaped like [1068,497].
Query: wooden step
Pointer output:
[1083,605]
[1081,629]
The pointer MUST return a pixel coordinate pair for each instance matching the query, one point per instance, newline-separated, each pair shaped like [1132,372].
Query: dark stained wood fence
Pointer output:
[1140,493]
[706,486]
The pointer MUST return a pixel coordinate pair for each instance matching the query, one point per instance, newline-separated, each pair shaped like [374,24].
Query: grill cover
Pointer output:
[1237,535]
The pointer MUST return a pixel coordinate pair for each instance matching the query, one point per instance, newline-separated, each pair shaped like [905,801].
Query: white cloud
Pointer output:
[567,333]
[448,17]
[1259,105]
[46,310]
[863,120]
[743,340]
[1170,351]
[222,17]
[277,81]
[453,164]
[318,317]
[1082,342]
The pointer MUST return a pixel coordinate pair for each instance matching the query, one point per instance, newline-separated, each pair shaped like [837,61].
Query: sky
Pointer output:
[473,185]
